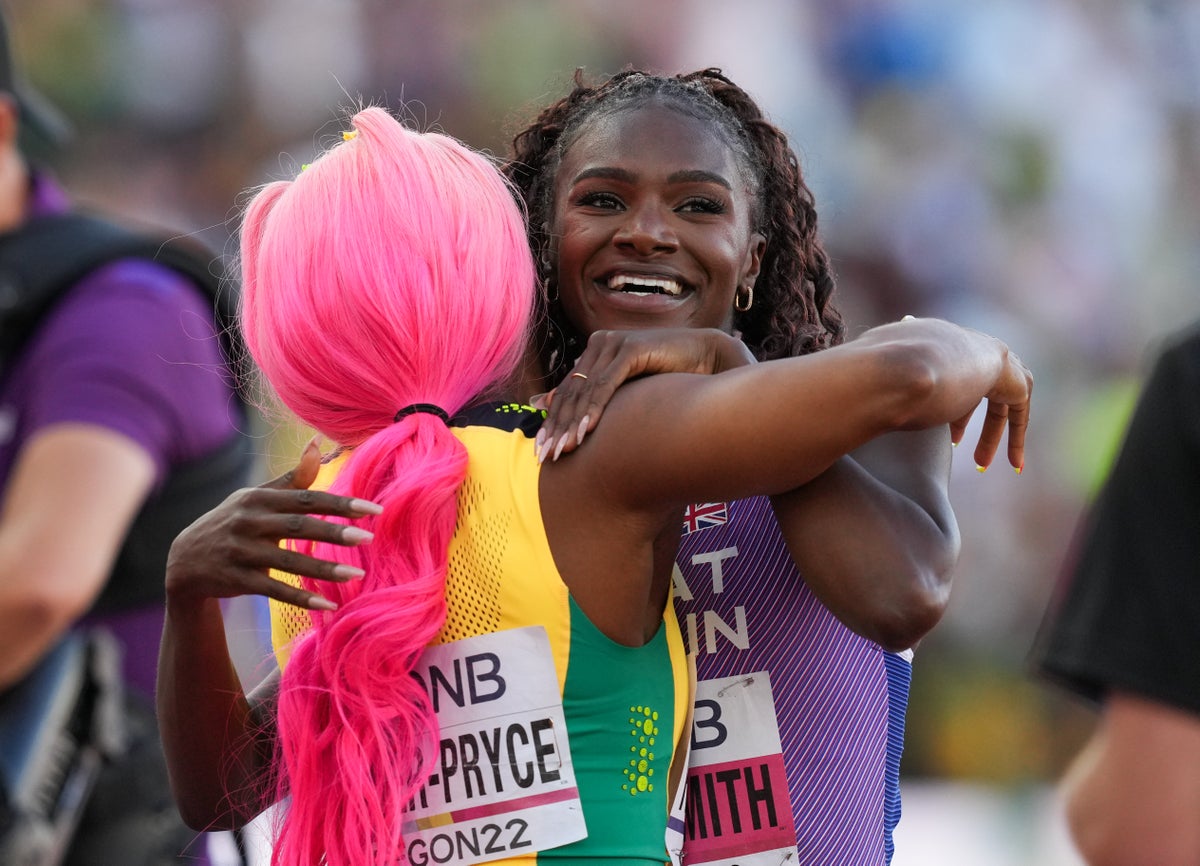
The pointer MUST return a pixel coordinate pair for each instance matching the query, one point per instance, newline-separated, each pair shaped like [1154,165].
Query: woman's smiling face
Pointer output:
[652,223]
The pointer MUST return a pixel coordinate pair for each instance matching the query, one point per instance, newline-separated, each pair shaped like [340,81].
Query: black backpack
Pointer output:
[69,717]
[40,261]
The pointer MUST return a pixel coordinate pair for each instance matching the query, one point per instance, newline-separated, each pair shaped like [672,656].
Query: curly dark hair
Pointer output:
[793,313]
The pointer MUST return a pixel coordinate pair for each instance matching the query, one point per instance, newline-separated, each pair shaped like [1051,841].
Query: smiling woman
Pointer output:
[701,130]
[654,221]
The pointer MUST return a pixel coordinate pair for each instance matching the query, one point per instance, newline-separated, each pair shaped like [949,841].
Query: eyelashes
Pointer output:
[610,201]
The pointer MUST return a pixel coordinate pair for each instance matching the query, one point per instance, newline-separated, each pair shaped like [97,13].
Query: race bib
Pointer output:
[738,809]
[505,784]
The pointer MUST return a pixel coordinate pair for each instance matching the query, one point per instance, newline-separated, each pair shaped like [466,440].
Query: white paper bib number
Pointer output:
[738,809]
[505,784]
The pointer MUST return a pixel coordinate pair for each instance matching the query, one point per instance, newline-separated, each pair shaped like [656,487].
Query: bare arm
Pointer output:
[892,491]
[1133,794]
[217,740]
[767,429]
[72,495]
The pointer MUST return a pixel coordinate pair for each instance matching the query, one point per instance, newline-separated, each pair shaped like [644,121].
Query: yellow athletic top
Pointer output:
[626,708]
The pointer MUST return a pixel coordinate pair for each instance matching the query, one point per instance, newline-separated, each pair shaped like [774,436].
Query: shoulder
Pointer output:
[135,307]
[141,281]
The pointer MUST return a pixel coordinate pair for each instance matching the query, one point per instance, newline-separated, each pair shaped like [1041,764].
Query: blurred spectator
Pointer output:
[1126,633]
[119,425]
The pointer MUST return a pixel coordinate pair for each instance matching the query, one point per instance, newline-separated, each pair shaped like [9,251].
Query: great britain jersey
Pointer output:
[517,662]
[799,722]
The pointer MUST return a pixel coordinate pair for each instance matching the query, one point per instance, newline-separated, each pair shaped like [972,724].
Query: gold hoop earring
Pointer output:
[737,299]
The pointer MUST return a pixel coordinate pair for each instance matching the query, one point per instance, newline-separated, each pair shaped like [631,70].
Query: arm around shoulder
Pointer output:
[771,427]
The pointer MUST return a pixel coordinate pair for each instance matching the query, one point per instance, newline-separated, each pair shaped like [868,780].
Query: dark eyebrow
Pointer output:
[699,176]
[606,174]
[688,176]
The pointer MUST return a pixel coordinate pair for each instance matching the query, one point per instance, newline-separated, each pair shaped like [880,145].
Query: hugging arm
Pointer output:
[218,741]
[891,490]
[771,427]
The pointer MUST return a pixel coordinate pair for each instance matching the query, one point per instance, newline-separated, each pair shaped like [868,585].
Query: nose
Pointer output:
[647,230]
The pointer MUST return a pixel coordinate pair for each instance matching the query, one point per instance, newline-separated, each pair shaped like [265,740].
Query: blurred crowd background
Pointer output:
[1027,167]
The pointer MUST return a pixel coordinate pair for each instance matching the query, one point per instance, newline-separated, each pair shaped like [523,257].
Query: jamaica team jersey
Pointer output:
[799,722]
[545,724]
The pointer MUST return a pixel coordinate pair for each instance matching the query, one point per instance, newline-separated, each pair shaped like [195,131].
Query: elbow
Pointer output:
[42,612]
[204,815]
[909,616]
[1101,841]
[202,820]
[1115,821]
[1109,838]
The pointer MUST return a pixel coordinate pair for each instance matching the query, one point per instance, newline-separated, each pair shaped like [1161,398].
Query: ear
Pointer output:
[754,256]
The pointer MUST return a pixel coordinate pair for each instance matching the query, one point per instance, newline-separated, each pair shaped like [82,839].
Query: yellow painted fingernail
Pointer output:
[980,469]
[349,135]
[1019,469]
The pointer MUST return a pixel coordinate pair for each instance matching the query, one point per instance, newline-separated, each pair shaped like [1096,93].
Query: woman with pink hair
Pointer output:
[493,671]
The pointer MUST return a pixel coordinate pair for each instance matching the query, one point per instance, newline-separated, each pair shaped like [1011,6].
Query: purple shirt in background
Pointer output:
[794,711]
[131,348]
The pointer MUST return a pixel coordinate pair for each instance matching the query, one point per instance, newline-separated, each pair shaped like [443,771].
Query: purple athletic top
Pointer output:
[799,713]
[131,348]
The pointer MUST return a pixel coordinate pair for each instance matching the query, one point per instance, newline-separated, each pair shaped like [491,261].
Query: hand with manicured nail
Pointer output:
[611,358]
[231,550]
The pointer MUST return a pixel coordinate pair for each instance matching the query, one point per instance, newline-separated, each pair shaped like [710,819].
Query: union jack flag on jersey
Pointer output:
[704,516]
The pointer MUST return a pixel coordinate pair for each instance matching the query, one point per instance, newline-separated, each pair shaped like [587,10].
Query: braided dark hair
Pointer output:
[793,313]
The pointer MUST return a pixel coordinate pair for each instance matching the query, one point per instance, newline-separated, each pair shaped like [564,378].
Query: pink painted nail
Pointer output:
[355,535]
[365,506]
[562,443]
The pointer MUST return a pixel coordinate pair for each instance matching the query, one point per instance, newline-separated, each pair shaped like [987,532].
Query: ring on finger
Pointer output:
[579,376]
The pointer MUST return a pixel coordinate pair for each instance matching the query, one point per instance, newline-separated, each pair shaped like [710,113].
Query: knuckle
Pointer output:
[294,523]
[288,560]
[239,521]
[245,496]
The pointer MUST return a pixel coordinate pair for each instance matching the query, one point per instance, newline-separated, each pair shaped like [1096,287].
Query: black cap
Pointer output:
[37,113]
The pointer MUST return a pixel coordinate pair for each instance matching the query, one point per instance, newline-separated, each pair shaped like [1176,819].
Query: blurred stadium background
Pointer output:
[1027,167]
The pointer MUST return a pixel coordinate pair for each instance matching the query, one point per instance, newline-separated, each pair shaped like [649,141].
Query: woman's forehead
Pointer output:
[655,137]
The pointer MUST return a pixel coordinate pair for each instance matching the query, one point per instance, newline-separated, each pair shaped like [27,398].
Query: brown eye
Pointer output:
[602,200]
[701,204]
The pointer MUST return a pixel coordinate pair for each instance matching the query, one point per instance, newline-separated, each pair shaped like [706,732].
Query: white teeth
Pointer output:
[668,287]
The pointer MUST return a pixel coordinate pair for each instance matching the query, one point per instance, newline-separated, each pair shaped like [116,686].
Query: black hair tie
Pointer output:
[427,408]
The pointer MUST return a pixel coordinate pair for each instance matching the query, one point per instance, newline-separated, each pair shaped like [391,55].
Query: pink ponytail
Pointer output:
[394,270]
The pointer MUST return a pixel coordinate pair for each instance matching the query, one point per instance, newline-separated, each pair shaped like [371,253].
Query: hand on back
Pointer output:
[231,550]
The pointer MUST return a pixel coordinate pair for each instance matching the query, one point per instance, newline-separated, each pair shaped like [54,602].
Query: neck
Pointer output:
[530,377]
